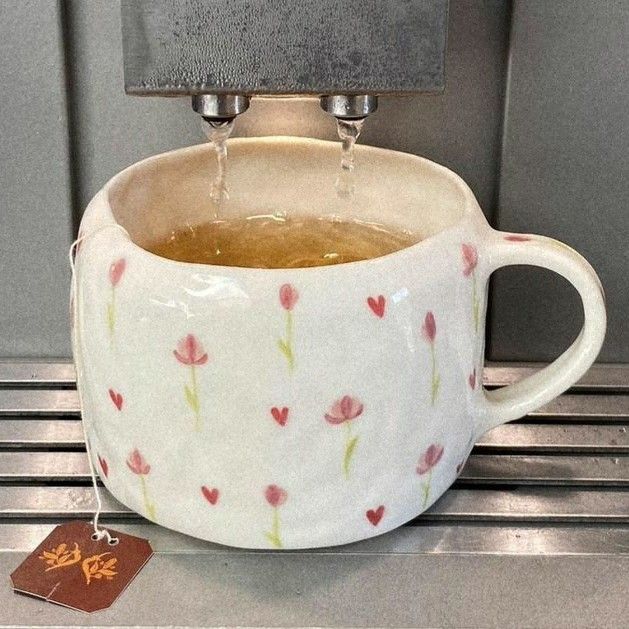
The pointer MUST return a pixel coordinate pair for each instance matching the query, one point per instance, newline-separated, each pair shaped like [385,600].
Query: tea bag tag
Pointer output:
[72,568]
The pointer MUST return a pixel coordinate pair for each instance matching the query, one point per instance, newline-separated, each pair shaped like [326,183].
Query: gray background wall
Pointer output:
[535,117]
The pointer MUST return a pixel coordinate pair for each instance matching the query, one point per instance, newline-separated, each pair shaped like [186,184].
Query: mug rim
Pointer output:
[470,207]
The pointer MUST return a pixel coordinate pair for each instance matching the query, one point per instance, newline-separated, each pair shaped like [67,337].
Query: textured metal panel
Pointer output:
[291,47]
[35,200]
[336,590]
[441,539]
[564,170]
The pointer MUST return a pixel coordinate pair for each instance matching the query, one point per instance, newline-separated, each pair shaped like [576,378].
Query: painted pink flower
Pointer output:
[288,299]
[470,261]
[190,351]
[429,459]
[275,496]
[470,258]
[517,238]
[429,329]
[116,270]
[343,410]
[137,463]
[288,296]
[429,332]
[426,463]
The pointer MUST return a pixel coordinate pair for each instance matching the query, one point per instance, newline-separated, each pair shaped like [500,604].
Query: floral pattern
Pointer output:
[288,298]
[342,412]
[190,353]
[60,557]
[470,261]
[138,465]
[426,463]
[276,497]
[116,271]
[429,332]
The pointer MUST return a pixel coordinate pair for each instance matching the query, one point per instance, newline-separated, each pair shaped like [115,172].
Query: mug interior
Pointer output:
[295,176]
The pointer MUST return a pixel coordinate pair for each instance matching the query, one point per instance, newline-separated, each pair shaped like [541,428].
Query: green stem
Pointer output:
[111,315]
[348,440]
[475,302]
[434,385]
[427,489]
[148,505]
[275,538]
[289,339]
[195,410]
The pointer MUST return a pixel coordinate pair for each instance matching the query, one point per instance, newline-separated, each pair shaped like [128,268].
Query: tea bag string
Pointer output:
[99,533]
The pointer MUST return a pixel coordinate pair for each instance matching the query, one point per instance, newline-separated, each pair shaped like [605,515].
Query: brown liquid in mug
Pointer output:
[268,242]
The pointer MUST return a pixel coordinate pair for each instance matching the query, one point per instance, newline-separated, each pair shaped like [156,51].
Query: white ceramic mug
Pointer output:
[294,408]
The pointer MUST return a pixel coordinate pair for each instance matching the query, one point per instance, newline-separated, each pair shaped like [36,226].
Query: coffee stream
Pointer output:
[218,134]
[348,131]
[278,240]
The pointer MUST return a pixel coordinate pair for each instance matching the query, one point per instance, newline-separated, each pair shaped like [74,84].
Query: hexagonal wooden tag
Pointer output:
[70,568]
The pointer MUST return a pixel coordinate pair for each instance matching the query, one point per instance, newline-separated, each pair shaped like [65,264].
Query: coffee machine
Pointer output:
[533,116]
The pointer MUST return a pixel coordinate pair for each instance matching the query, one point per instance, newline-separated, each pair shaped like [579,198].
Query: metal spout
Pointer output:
[347,107]
[217,109]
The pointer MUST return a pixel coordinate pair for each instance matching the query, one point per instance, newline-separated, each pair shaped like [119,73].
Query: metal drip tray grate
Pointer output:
[552,485]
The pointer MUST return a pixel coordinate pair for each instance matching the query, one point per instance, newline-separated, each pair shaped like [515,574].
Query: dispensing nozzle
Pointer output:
[345,107]
[218,109]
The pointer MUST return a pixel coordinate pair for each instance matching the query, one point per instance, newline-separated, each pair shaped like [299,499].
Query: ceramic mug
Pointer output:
[296,408]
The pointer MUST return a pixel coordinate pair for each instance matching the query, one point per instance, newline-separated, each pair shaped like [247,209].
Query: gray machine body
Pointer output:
[534,116]
[291,47]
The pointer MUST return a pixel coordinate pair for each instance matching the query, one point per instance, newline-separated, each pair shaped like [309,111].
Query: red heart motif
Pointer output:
[375,515]
[103,465]
[211,495]
[471,379]
[116,398]
[280,415]
[377,305]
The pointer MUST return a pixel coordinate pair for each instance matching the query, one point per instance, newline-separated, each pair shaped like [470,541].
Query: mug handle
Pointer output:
[518,399]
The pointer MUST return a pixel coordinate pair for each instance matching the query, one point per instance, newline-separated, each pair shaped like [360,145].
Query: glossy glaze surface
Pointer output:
[288,408]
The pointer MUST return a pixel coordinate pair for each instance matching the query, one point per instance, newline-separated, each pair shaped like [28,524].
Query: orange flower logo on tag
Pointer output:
[61,557]
[95,567]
